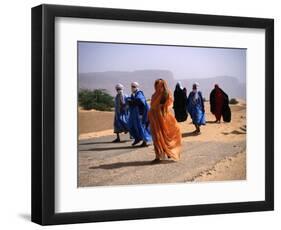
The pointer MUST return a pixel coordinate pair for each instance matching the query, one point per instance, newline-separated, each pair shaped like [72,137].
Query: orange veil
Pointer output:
[165,130]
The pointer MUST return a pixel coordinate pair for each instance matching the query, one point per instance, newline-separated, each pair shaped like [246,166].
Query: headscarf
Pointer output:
[196,85]
[136,85]
[179,85]
[218,91]
[119,88]
[195,91]
[161,91]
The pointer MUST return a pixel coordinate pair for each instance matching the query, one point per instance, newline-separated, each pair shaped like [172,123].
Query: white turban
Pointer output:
[119,86]
[135,84]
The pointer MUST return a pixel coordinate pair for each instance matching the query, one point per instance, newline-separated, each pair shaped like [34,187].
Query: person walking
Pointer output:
[219,104]
[165,130]
[121,113]
[180,103]
[138,119]
[196,109]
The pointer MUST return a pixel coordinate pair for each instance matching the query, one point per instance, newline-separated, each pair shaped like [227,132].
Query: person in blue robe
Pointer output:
[138,119]
[195,107]
[121,112]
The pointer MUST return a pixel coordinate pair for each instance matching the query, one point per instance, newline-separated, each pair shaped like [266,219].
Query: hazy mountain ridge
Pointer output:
[230,85]
[108,80]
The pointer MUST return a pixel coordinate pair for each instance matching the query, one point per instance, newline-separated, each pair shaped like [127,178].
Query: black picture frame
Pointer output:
[43,114]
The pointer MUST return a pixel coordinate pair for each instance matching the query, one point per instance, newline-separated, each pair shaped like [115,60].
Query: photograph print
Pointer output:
[157,114]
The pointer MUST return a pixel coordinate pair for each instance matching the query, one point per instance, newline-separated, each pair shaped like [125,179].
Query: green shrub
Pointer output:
[97,99]
[233,101]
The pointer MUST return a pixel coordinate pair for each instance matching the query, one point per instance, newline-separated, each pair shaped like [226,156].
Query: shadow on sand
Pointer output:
[190,134]
[112,148]
[129,164]
[103,142]
[233,132]
[211,122]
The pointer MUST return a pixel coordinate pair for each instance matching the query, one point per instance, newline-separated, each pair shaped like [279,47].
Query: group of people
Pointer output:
[155,122]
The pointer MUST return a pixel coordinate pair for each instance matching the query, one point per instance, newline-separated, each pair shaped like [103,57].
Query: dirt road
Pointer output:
[219,153]
[104,163]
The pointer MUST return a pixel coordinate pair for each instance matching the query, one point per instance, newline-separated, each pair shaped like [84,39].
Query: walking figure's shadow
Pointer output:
[111,148]
[190,134]
[103,142]
[129,164]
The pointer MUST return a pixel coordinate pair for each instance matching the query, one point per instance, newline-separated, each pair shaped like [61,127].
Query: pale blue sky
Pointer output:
[184,62]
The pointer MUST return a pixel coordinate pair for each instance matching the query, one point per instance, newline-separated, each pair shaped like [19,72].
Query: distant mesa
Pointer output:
[108,80]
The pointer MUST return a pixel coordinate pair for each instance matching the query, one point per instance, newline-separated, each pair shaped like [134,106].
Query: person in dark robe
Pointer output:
[180,103]
[195,107]
[219,104]
[138,119]
[121,112]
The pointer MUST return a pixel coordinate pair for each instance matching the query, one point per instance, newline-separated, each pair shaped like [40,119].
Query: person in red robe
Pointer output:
[219,103]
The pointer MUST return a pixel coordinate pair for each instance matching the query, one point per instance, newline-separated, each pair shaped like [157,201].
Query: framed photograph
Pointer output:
[144,114]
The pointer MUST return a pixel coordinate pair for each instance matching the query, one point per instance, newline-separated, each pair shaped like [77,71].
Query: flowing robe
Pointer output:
[219,104]
[165,130]
[180,104]
[138,121]
[195,106]
[121,114]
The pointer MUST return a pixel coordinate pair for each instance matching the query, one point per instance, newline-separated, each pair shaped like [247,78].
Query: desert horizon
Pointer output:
[146,77]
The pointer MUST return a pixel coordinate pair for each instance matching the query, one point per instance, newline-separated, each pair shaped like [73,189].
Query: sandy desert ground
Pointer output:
[218,154]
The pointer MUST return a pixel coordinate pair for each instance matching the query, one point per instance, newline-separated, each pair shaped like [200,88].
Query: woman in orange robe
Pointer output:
[165,130]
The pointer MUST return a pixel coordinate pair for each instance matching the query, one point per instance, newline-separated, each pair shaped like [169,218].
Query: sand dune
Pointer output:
[96,124]
[91,121]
